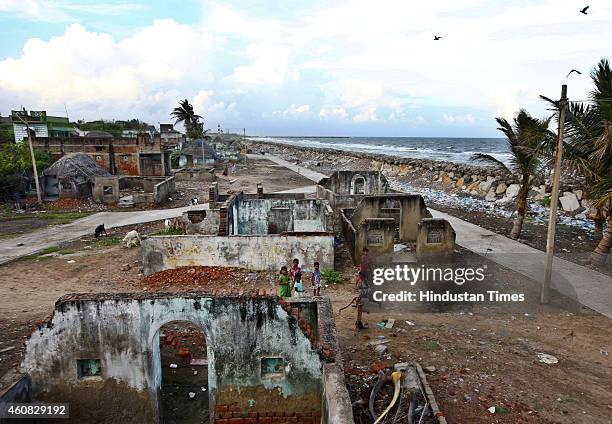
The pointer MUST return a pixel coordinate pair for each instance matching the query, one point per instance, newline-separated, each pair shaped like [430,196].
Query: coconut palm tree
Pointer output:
[588,151]
[184,113]
[525,138]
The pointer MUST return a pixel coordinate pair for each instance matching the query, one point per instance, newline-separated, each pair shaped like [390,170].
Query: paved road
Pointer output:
[591,288]
[41,239]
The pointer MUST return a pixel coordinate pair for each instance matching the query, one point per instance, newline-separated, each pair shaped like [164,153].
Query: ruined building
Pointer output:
[137,156]
[260,231]
[266,360]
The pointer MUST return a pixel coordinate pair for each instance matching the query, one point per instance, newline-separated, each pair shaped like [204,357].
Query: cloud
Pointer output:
[367,115]
[459,119]
[293,110]
[336,112]
[55,11]
[94,74]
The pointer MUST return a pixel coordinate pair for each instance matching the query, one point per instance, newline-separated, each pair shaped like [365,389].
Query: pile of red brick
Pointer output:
[199,277]
[229,414]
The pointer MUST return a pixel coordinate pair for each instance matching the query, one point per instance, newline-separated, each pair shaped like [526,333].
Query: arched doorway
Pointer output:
[183,390]
[358,185]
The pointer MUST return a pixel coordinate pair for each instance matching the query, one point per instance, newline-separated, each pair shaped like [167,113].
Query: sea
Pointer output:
[457,150]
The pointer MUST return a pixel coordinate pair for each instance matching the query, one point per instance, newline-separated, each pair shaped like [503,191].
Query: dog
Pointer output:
[132,239]
[99,231]
[194,201]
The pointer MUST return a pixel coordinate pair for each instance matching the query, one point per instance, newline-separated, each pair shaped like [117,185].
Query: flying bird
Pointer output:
[437,37]
[573,70]
[584,11]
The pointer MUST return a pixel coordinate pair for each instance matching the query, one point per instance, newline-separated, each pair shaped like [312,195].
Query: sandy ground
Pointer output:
[483,357]
[247,176]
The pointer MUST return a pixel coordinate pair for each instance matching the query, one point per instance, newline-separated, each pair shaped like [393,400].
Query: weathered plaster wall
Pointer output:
[253,252]
[273,216]
[343,182]
[412,210]
[162,190]
[122,330]
[436,240]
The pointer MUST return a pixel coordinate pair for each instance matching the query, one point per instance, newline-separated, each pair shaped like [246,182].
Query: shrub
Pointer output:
[331,277]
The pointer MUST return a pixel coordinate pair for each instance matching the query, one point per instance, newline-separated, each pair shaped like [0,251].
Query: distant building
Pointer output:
[43,125]
[171,137]
[136,156]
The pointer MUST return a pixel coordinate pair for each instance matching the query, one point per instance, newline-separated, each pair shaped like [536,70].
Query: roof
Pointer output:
[98,134]
[76,165]
[194,148]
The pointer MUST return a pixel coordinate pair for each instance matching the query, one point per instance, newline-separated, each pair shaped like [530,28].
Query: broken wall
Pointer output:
[274,216]
[121,332]
[257,253]
[436,240]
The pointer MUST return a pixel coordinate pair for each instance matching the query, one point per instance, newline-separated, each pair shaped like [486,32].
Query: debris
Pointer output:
[203,389]
[195,373]
[191,395]
[390,323]
[71,261]
[430,369]
[173,366]
[381,349]
[7,349]
[198,362]
[410,323]
[604,352]
[491,410]
[546,358]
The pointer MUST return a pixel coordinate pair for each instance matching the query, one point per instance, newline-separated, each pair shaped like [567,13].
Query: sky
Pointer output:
[302,67]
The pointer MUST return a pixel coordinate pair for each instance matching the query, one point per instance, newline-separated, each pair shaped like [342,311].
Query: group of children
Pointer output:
[290,281]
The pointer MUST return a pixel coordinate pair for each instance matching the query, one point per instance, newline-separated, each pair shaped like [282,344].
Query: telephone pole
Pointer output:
[552,221]
[38,194]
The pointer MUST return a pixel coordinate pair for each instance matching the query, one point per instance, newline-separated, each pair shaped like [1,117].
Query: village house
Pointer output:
[41,124]
[136,156]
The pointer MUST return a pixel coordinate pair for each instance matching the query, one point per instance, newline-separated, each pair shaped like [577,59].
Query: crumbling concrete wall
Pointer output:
[163,190]
[106,189]
[274,216]
[412,210]
[253,252]
[436,240]
[122,332]
[202,221]
[349,182]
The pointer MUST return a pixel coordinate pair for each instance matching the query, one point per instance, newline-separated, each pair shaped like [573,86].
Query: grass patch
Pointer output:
[41,254]
[63,217]
[109,241]
[431,345]
[501,410]
[331,277]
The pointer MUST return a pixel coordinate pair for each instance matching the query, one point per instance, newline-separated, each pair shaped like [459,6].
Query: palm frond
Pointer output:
[488,159]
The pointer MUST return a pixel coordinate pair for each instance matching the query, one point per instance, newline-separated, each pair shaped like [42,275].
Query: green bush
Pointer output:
[331,277]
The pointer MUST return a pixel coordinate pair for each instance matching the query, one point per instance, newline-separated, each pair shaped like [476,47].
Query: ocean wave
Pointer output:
[447,149]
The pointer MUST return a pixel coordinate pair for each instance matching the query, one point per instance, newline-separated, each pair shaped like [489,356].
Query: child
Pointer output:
[316,280]
[295,268]
[297,284]
[284,285]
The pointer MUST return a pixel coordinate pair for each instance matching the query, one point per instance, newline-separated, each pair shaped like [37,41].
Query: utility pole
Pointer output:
[552,221]
[38,194]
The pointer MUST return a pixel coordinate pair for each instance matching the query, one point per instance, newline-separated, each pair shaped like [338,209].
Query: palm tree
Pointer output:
[184,113]
[524,139]
[588,151]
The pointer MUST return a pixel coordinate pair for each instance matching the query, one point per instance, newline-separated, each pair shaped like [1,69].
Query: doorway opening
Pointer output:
[184,397]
